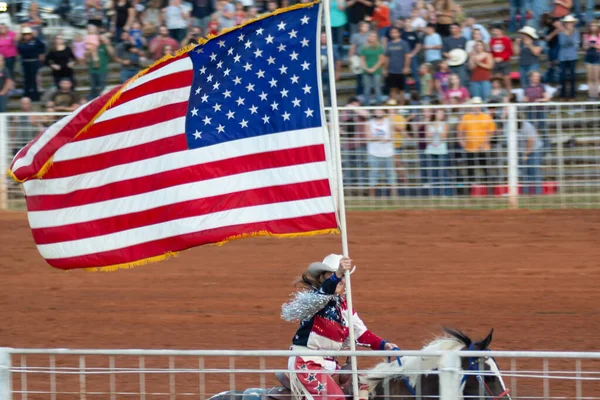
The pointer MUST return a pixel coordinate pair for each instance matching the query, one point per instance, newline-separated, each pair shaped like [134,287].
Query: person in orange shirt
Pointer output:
[381,17]
[475,131]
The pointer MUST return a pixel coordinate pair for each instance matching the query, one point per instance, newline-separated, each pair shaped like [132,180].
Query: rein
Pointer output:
[474,366]
[404,378]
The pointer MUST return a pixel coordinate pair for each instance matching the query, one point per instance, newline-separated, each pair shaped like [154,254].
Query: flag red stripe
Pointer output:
[247,198]
[252,162]
[97,162]
[182,242]
[67,133]
[166,62]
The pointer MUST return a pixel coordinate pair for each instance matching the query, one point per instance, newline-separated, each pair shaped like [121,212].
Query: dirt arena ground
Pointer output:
[533,276]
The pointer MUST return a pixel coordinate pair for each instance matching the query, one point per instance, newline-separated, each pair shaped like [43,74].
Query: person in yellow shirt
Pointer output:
[475,131]
[398,135]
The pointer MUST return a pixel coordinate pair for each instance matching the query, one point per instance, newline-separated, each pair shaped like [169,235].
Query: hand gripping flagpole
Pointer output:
[335,124]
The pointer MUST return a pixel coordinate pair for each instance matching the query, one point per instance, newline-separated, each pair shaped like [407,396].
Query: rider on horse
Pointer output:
[323,313]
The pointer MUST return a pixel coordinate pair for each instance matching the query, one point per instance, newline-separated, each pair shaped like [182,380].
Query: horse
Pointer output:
[408,376]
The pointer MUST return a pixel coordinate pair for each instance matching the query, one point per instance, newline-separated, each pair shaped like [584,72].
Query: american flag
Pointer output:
[223,141]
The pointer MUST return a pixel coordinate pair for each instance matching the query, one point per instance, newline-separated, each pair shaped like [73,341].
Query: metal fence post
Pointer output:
[5,374]
[450,377]
[560,155]
[3,161]
[513,157]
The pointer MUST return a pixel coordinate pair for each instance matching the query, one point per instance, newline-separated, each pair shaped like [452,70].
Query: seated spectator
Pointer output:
[357,41]
[569,44]
[61,60]
[456,90]
[6,84]
[65,99]
[354,143]
[373,58]
[239,15]
[471,26]
[160,41]
[502,51]
[8,48]
[78,48]
[437,152]
[453,43]
[381,17]
[475,131]
[357,10]
[441,78]
[530,147]
[176,19]
[31,49]
[397,61]
[427,91]
[445,11]
[591,46]
[481,64]
[432,45]
[528,50]
[380,150]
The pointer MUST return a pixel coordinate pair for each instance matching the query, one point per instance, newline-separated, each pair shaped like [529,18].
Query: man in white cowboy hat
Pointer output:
[569,41]
[31,49]
[457,61]
[528,49]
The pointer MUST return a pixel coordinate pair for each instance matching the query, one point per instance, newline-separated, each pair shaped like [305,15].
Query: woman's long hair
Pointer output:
[308,282]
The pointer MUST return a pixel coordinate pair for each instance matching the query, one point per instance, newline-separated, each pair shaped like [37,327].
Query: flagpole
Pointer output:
[335,124]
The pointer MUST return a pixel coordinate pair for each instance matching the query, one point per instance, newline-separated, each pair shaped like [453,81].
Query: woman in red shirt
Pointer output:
[481,63]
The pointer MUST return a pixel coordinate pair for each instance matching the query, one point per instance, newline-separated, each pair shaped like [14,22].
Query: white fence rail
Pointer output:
[467,160]
[58,374]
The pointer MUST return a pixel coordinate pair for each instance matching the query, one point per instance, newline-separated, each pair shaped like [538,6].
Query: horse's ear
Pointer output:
[486,342]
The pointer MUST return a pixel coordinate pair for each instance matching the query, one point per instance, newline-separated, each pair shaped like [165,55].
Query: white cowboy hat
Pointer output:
[570,18]
[330,263]
[529,31]
[457,57]
[355,65]
[476,100]
[26,30]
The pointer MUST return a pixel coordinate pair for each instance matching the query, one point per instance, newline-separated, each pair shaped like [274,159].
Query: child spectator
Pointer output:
[397,61]
[213,27]
[528,50]
[373,58]
[92,38]
[456,90]
[381,17]
[79,47]
[441,79]
[591,45]
[502,51]
[427,86]
[432,44]
[569,44]
[136,35]
[481,63]
[240,15]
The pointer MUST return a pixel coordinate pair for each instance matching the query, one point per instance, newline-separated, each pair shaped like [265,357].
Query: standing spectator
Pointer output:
[401,9]
[79,47]
[325,67]
[137,36]
[65,99]
[553,28]
[569,43]
[6,84]
[470,46]
[416,22]
[415,46]
[471,25]
[31,49]
[528,50]
[531,150]
[152,17]
[427,85]
[158,43]
[8,48]
[591,45]
[226,12]
[562,8]
[95,12]
[124,14]
[354,143]
[213,27]
[128,56]
[176,19]
[441,79]
[481,63]
[437,152]
[357,41]
[240,15]
[194,33]
[22,128]
[338,21]
[381,17]
[420,127]
[536,93]
[432,44]
[498,94]
[502,51]
[380,150]
[456,42]
[517,11]
[34,19]
[357,11]
[456,91]
[201,12]
[398,135]
[397,61]
[92,38]
[98,60]
[373,58]
[475,131]
[61,60]
[422,10]
[445,12]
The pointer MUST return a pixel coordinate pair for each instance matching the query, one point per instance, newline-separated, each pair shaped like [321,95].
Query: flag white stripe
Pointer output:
[173,161]
[121,140]
[46,137]
[146,103]
[131,237]
[184,64]
[178,194]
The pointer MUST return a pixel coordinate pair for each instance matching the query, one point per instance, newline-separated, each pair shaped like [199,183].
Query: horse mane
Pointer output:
[413,366]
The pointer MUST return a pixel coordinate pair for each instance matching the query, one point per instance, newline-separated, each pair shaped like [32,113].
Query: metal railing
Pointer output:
[147,374]
[468,159]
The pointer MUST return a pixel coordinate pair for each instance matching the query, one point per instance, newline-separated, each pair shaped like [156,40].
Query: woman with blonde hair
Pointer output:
[481,63]
[591,45]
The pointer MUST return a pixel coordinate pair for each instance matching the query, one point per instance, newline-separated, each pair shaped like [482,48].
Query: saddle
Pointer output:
[284,392]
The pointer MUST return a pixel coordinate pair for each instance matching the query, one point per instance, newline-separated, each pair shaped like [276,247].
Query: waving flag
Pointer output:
[224,140]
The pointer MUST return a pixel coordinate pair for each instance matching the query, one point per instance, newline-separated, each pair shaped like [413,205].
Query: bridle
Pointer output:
[474,366]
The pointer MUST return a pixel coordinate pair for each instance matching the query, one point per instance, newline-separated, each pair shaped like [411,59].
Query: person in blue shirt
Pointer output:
[31,49]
